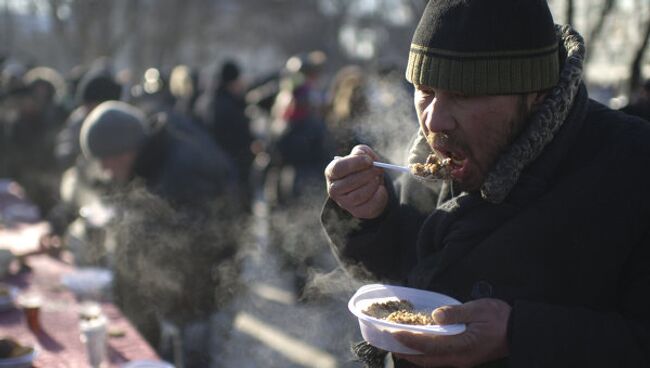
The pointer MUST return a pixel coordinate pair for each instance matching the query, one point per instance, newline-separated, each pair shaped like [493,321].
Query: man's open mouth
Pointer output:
[457,161]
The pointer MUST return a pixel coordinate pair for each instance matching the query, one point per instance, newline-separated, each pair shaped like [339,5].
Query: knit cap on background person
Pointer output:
[93,89]
[97,87]
[112,128]
[485,47]
[229,72]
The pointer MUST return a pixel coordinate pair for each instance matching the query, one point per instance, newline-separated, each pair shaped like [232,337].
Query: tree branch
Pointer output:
[635,68]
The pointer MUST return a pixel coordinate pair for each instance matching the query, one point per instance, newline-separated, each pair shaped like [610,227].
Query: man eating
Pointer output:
[542,229]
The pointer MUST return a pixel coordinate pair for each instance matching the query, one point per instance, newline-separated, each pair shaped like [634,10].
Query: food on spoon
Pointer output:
[399,311]
[9,348]
[433,168]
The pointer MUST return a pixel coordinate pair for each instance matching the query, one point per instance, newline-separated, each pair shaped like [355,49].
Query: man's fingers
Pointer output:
[473,311]
[353,182]
[344,166]
[362,149]
[427,344]
[355,185]
[452,314]
[373,207]
[361,195]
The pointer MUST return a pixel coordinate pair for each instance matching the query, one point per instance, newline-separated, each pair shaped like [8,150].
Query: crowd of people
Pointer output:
[156,178]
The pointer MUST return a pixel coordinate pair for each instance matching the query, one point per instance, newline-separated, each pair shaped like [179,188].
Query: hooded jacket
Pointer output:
[559,230]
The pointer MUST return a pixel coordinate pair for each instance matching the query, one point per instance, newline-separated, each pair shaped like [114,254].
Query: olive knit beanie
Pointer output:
[485,47]
[112,128]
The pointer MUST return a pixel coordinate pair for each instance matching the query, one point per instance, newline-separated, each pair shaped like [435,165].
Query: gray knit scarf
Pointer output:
[540,130]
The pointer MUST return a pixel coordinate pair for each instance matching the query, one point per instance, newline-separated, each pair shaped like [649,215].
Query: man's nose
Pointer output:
[438,117]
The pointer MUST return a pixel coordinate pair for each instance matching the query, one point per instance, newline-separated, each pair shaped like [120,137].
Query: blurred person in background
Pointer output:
[184,87]
[31,117]
[641,106]
[73,78]
[152,94]
[348,103]
[95,87]
[299,151]
[11,77]
[82,183]
[230,126]
[159,100]
[298,145]
[499,92]
[174,251]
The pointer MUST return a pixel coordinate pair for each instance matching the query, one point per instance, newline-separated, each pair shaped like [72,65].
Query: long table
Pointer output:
[59,344]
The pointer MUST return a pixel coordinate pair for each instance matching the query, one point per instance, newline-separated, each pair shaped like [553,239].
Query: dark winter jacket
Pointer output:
[174,258]
[640,108]
[559,230]
[231,128]
[181,164]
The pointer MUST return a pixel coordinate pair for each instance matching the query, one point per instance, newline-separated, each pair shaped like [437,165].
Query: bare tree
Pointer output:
[608,6]
[635,68]
[7,31]
[144,33]
[569,12]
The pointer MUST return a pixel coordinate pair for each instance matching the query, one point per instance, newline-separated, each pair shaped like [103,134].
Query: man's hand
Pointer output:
[484,339]
[357,186]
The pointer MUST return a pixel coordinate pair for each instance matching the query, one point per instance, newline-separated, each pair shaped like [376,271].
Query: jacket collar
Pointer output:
[543,124]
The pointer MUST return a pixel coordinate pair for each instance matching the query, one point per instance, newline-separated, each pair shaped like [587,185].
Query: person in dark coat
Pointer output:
[541,229]
[231,127]
[95,87]
[348,103]
[174,258]
[81,182]
[28,128]
[299,139]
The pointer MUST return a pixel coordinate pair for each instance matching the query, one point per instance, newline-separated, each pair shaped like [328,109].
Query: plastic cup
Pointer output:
[93,335]
[31,307]
[89,310]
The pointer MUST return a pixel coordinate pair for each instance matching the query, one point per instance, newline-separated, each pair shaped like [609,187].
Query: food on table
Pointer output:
[5,291]
[116,332]
[6,297]
[433,168]
[9,348]
[399,311]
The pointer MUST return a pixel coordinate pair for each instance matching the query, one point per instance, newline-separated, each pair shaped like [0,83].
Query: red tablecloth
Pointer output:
[59,344]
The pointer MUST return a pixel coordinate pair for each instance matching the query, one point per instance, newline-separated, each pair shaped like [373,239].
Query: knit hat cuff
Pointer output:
[484,73]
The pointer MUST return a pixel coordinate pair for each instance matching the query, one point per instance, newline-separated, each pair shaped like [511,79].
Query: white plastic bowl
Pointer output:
[88,281]
[379,333]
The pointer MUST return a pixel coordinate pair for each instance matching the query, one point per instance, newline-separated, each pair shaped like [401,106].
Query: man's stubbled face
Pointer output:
[471,130]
